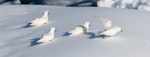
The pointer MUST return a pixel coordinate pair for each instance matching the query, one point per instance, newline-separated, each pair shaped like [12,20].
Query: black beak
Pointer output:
[121,30]
[55,30]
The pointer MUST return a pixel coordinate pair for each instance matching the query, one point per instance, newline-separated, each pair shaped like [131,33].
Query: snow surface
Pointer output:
[19,41]
[128,4]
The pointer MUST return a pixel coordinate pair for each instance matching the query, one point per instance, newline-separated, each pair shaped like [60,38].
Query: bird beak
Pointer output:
[55,30]
[89,25]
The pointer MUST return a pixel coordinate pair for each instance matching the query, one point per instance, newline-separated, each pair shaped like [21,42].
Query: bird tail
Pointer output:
[39,41]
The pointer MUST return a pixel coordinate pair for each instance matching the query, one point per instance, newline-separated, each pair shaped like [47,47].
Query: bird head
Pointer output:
[119,29]
[52,30]
[87,24]
[46,13]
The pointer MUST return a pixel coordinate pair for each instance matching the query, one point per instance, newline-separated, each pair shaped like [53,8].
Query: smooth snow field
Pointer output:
[17,39]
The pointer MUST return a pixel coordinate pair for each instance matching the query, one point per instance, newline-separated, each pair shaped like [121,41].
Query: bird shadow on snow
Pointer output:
[66,34]
[34,42]
[27,26]
[92,35]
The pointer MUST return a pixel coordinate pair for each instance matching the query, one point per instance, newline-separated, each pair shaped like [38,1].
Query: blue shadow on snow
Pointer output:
[34,42]
[92,35]
[27,26]
[66,34]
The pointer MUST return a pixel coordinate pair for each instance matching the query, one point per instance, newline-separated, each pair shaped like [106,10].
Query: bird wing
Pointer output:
[84,29]
[35,20]
[109,32]
[106,22]
[77,30]
[46,38]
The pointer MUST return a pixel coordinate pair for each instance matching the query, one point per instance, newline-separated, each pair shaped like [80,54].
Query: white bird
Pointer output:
[109,29]
[80,29]
[110,32]
[40,21]
[107,23]
[48,37]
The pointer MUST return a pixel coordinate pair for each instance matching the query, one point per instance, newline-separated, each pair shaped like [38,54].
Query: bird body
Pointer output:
[48,37]
[76,31]
[110,30]
[80,29]
[40,21]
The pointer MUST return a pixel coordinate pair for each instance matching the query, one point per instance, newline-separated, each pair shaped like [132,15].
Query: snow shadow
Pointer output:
[84,3]
[33,42]
[27,26]
[92,35]
[66,34]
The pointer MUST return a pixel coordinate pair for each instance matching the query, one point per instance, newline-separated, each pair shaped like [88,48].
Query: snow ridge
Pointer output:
[129,4]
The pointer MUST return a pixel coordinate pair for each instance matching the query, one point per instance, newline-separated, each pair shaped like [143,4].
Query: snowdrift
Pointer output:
[128,4]
[19,41]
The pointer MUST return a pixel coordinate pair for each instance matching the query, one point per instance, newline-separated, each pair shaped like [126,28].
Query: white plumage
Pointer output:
[40,21]
[109,29]
[80,29]
[110,32]
[107,23]
[48,37]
